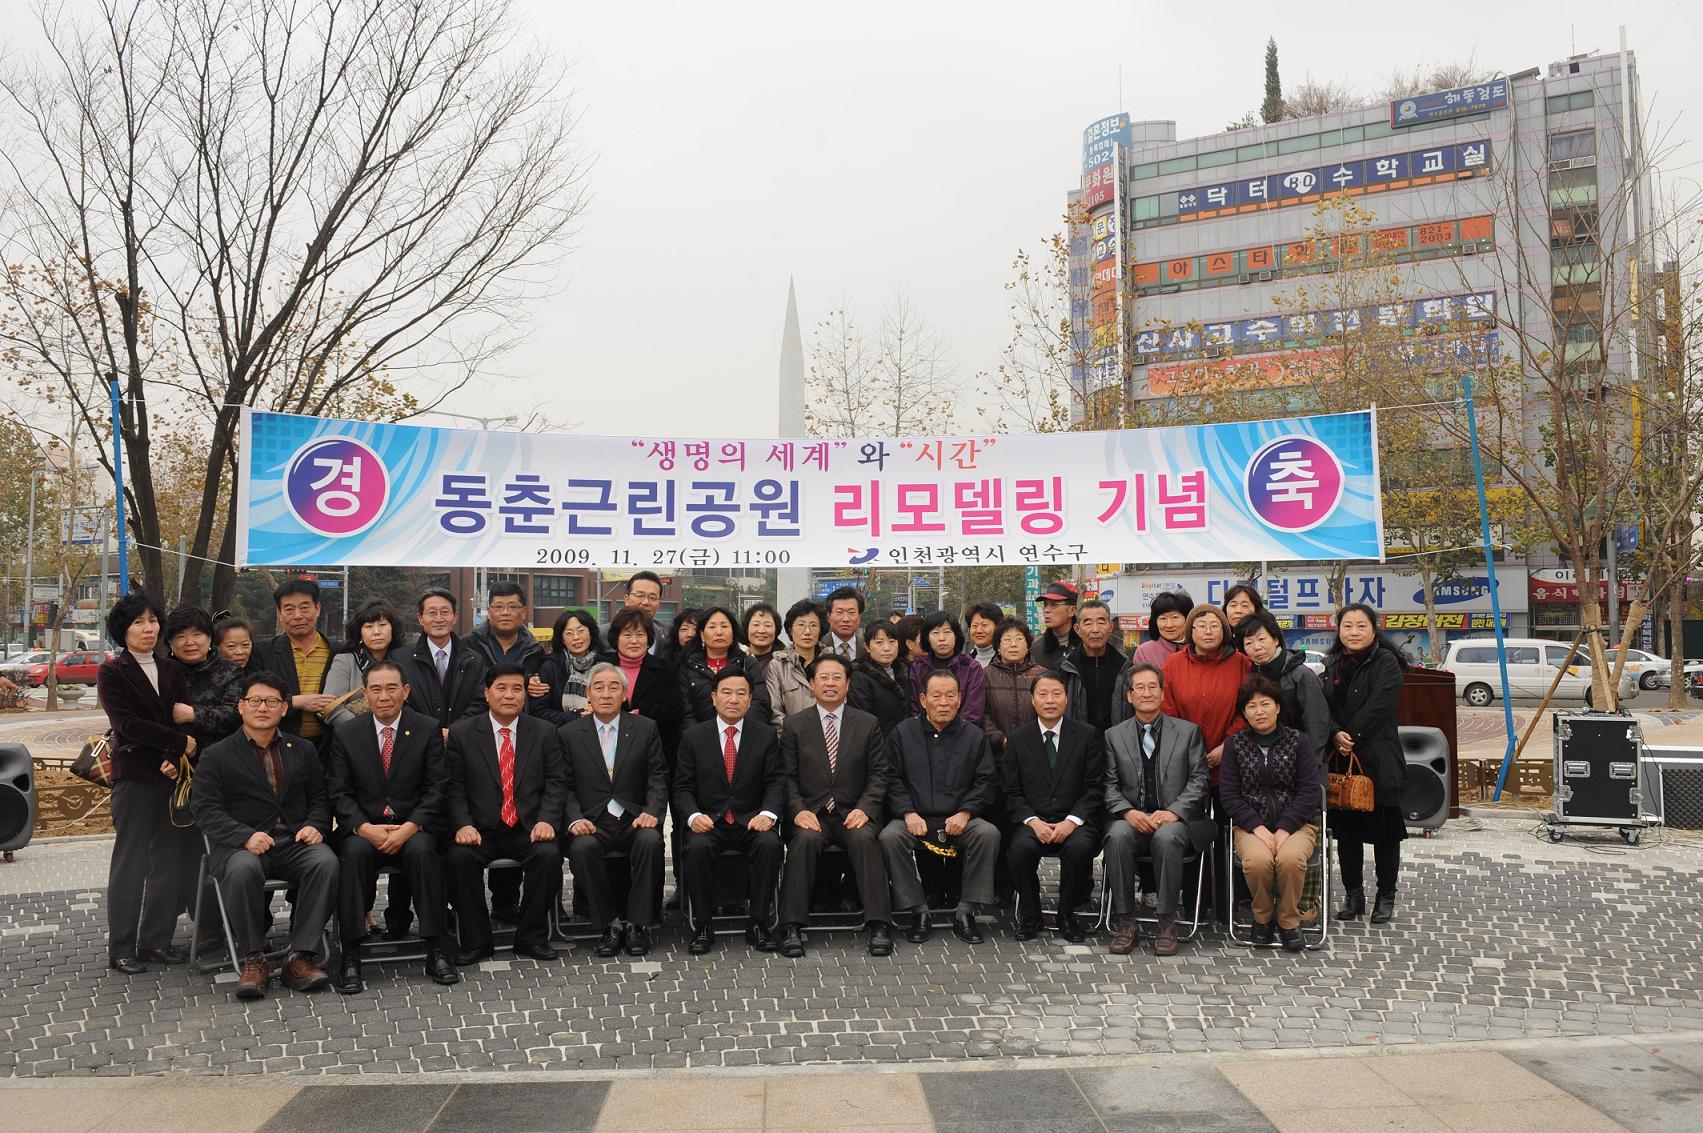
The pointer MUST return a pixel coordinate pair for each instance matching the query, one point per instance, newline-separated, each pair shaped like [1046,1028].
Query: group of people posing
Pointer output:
[461,763]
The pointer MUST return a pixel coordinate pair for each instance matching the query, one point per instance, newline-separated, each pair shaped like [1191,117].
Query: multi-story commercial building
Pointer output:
[1190,253]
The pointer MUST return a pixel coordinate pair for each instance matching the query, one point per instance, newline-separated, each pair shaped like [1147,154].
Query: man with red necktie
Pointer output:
[507,794]
[730,782]
[387,793]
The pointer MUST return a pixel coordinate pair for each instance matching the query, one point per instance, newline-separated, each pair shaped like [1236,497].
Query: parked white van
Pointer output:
[1532,665]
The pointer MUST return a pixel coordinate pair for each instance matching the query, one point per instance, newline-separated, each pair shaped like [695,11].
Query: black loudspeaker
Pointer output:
[17,797]
[1430,767]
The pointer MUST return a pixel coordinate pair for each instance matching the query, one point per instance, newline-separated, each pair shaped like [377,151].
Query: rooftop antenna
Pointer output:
[1120,87]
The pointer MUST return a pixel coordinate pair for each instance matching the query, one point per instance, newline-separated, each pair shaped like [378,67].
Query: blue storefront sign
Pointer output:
[1457,103]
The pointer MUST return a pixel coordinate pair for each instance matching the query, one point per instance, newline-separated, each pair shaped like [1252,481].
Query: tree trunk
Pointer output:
[1677,692]
[224,571]
[1435,632]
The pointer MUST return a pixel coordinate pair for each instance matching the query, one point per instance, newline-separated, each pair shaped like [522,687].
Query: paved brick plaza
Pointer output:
[1499,935]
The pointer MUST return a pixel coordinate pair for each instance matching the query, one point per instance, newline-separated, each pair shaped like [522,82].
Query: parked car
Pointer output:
[1533,663]
[1315,661]
[25,660]
[77,667]
[1652,672]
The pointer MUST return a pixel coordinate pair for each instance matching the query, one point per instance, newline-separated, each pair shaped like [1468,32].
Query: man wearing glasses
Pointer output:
[260,798]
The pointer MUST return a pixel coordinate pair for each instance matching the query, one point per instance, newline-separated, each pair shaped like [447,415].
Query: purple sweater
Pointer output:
[1276,787]
[972,684]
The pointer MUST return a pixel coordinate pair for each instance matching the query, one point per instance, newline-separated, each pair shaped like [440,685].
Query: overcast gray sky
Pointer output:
[861,147]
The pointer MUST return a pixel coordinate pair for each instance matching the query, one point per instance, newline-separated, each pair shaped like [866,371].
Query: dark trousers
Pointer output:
[762,855]
[863,852]
[979,845]
[643,847]
[358,865]
[145,879]
[1023,855]
[312,874]
[1351,855]
[541,872]
[1164,849]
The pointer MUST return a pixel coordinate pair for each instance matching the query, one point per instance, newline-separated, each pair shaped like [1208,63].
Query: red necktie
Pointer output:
[729,753]
[385,750]
[505,767]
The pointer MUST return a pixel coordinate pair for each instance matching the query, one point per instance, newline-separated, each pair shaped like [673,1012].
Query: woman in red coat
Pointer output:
[1201,681]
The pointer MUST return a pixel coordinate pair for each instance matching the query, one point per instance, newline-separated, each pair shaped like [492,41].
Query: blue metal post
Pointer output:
[1490,577]
[118,485]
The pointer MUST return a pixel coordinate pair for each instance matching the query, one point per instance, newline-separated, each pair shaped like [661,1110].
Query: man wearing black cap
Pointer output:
[1058,616]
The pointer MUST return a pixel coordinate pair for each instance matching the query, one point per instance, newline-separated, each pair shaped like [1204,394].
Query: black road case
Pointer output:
[1596,773]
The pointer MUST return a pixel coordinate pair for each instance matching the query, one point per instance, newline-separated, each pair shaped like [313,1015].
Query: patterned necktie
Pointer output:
[845,649]
[831,737]
[443,665]
[386,748]
[729,753]
[1052,749]
[505,767]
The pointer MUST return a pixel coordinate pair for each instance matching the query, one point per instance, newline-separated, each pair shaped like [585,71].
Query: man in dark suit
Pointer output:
[1156,790]
[730,783]
[1052,772]
[617,790]
[507,793]
[387,791]
[260,799]
[446,675]
[836,781]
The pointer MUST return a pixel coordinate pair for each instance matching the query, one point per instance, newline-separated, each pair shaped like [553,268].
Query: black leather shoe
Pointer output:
[467,957]
[1028,929]
[1384,908]
[170,954]
[880,939]
[129,965]
[1292,941]
[792,942]
[920,929]
[439,968]
[609,944]
[1353,905]
[542,951]
[349,981]
[703,939]
[508,914]
[1264,934]
[638,940]
[759,937]
[964,928]
[1069,930]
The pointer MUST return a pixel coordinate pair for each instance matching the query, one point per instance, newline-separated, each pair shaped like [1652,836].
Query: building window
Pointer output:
[555,589]
[1177,165]
[1297,144]
[1573,143]
[1561,103]
[494,577]
[1572,188]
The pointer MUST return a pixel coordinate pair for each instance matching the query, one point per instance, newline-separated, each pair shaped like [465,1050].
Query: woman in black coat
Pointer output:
[576,648]
[1363,679]
[880,681]
[717,648]
[143,697]
[653,686]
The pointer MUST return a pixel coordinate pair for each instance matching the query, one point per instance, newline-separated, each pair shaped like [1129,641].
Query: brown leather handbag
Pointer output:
[1350,789]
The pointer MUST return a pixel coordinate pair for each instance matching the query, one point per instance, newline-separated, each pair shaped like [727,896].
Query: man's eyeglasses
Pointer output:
[263,701]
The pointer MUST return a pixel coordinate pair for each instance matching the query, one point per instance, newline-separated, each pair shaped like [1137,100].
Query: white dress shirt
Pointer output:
[1054,732]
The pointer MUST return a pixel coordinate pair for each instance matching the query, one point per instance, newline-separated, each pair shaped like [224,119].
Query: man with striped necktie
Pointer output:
[836,782]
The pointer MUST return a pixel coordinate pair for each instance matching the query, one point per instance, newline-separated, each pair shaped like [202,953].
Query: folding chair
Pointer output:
[577,925]
[204,878]
[1097,914]
[504,937]
[1193,923]
[1317,935]
[733,880]
[834,867]
[379,949]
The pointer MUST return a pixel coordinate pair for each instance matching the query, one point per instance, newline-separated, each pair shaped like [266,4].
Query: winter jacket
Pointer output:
[1010,702]
[532,653]
[1363,696]
[697,682]
[1304,704]
[556,672]
[972,684]
[1274,786]
[1202,690]
[213,684]
[787,687]
[884,691]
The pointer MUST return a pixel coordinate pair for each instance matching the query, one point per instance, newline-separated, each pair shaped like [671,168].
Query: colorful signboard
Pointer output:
[1306,591]
[1267,332]
[1100,139]
[1457,103]
[1307,186]
[1430,354]
[320,491]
